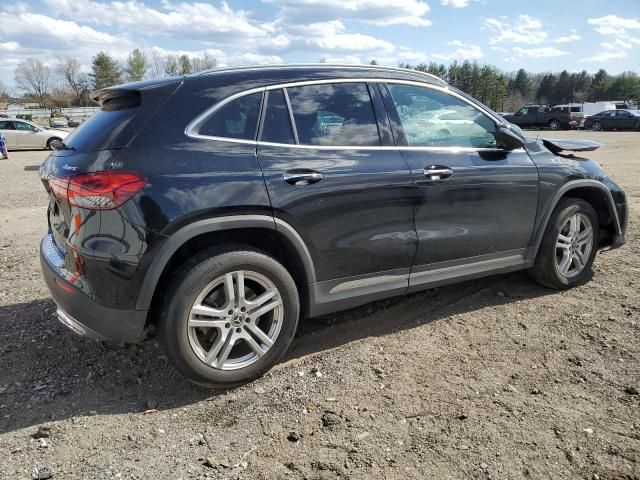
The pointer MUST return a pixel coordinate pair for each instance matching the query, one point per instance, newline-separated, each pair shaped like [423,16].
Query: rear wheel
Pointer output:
[569,245]
[554,124]
[229,317]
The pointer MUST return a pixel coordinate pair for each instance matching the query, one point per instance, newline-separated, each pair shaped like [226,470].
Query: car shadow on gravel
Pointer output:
[48,373]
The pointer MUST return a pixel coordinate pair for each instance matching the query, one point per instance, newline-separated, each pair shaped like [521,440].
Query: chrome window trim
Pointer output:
[190,130]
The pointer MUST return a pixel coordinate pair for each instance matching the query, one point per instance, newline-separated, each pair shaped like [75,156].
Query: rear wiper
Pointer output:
[60,145]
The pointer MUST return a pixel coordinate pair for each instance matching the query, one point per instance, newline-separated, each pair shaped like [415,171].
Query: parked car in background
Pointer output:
[22,134]
[222,207]
[543,116]
[74,122]
[614,120]
[58,122]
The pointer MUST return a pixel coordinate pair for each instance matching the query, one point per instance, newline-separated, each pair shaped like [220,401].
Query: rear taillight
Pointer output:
[98,191]
[571,116]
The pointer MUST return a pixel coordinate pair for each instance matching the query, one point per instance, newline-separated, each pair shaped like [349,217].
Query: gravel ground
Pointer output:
[493,378]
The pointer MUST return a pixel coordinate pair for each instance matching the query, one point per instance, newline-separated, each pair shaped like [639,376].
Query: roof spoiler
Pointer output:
[556,145]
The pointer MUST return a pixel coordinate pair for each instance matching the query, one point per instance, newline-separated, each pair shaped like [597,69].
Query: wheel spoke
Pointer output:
[206,311]
[204,323]
[253,345]
[574,225]
[564,242]
[578,257]
[585,235]
[265,309]
[229,289]
[257,331]
[565,263]
[229,343]
[240,287]
[210,358]
[262,299]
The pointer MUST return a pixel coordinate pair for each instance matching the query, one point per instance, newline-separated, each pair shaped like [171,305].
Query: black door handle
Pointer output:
[437,172]
[302,177]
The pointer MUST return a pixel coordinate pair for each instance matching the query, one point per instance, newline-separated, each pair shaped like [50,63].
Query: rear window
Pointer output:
[236,119]
[108,127]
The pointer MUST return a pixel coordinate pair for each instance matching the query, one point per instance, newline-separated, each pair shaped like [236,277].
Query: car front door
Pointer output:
[333,174]
[476,202]
[8,130]
[27,135]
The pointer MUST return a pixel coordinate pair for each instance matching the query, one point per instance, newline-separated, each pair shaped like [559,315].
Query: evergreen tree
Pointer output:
[185,65]
[171,67]
[599,86]
[522,84]
[105,71]
[546,89]
[137,65]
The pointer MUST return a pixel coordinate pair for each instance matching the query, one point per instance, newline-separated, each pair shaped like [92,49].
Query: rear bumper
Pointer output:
[82,314]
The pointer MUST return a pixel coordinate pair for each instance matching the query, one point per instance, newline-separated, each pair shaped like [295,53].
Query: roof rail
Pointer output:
[320,65]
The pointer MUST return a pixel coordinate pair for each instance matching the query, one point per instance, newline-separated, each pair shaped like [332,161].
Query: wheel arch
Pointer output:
[262,232]
[593,192]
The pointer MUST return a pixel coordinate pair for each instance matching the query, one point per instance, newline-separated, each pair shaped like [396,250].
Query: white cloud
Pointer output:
[455,3]
[464,51]
[196,20]
[389,12]
[614,25]
[542,52]
[572,37]
[604,56]
[525,29]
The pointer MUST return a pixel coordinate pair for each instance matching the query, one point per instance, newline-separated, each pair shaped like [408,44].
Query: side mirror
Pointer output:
[508,140]
[57,144]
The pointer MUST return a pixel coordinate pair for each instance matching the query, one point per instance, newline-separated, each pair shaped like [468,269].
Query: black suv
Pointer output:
[217,209]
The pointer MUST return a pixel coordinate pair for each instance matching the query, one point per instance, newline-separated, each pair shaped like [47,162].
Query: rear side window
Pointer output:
[339,114]
[235,119]
[6,125]
[276,125]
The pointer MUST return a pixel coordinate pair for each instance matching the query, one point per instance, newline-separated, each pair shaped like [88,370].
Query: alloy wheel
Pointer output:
[573,246]
[597,126]
[235,320]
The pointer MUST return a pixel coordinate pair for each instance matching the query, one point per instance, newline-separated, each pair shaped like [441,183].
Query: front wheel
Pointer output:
[596,127]
[230,315]
[569,245]
[51,140]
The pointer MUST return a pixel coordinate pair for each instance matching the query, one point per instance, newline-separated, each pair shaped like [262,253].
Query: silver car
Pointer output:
[22,134]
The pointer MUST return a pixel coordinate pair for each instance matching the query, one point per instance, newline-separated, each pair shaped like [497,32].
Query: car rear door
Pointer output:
[333,175]
[624,119]
[476,203]
[8,130]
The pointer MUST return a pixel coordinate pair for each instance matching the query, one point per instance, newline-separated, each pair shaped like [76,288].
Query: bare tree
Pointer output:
[171,67]
[206,62]
[157,65]
[34,77]
[4,91]
[69,70]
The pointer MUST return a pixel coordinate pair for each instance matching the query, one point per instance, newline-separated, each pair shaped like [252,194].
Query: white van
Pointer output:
[588,108]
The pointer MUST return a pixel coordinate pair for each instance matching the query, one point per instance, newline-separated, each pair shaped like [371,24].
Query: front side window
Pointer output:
[433,118]
[522,111]
[236,119]
[335,114]
[25,127]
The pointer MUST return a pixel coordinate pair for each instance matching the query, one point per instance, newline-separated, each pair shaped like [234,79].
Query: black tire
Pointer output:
[51,140]
[554,124]
[597,126]
[183,290]
[545,270]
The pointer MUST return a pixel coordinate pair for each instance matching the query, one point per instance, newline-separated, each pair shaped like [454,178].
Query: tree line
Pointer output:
[65,84]
[507,91]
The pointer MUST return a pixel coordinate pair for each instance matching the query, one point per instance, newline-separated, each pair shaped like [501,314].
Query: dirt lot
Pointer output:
[494,378]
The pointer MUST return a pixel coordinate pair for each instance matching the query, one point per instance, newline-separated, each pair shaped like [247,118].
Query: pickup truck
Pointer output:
[540,116]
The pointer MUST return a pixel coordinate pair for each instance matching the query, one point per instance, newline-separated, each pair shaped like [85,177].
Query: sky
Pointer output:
[545,35]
